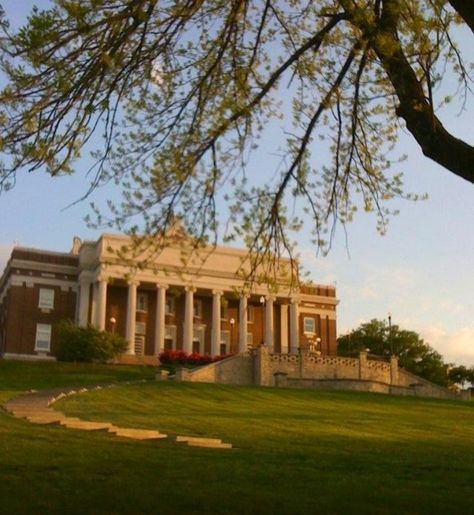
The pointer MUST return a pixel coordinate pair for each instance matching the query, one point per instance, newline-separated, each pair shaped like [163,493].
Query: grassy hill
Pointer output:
[296,451]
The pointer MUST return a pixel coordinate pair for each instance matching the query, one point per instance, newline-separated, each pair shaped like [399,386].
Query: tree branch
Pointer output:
[465,9]
[435,141]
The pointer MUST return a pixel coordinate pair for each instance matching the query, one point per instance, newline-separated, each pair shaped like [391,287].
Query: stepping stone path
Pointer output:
[36,408]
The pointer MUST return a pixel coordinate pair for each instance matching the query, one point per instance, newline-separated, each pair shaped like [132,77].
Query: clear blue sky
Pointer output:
[421,271]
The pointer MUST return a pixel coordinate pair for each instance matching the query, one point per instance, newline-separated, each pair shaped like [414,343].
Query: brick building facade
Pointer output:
[202,307]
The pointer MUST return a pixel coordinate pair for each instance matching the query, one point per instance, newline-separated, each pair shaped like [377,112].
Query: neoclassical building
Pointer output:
[157,301]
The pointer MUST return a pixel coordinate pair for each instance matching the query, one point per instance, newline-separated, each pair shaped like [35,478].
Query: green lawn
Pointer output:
[297,451]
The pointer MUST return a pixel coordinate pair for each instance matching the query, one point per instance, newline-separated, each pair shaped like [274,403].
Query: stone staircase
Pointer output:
[36,408]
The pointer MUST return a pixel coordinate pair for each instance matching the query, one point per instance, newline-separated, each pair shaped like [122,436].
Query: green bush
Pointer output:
[87,344]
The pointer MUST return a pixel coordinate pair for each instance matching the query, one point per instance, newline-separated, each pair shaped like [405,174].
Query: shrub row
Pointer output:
[180,357]
[87,344]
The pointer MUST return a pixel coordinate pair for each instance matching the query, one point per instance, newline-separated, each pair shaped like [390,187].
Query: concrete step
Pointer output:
[85,425]
[35,408]
[197,439]
[45,419]
[210,445]
[69,420]
[137,434]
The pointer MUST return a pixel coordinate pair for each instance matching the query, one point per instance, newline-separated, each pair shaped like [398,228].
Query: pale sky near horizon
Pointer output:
[421,270]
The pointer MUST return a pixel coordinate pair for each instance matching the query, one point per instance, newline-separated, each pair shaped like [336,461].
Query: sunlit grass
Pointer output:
[296,452]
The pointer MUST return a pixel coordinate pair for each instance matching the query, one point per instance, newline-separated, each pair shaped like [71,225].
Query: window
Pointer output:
[170,337]
[43,337]
[140,328]
[46,298]
[197,308]
[139,345]
[225,337]
[170,332]
[224,312]
[170,306]
[250,314]
[225,342]
[198,338]
[309,325]
[249,340]
[142,302]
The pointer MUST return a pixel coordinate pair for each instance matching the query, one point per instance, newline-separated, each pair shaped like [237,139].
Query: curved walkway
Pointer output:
[36,408]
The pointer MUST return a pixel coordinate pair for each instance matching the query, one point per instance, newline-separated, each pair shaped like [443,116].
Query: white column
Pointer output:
[294,326]
[101,302]
[83,310]
[93,320]
[216,323]
[284,328]
[188,319]
[269,330]
[131,315]
[160,318]
[243,324]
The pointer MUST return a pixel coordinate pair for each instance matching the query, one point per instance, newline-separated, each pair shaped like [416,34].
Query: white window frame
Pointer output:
[225,342]
[140,343]
[142,331]
[142,302]
[170,334]
[224,312]
[250,314]
[313,323]
[249,339]
[43,335]
[225,337]
[197,308]
[46,298]
[170,305]
[199,334]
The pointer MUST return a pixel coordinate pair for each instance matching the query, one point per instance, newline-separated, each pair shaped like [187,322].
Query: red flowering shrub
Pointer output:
[194,359]
[170,357]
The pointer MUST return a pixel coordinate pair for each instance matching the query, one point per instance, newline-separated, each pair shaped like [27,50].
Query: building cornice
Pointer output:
[38,266]
[219,249]
[321,299]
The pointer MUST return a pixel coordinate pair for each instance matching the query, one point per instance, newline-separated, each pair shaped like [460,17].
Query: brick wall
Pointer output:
[23,315]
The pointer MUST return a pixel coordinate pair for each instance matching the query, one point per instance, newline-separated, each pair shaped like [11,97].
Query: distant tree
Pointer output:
[461,375]
[181,93]
[413,353]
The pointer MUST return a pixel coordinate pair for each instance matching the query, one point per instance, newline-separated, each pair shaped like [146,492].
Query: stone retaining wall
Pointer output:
[423,388]
[310,366]
[305,370]
[234,370]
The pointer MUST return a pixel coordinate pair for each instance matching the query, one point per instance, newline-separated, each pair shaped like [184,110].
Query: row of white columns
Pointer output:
[98,317]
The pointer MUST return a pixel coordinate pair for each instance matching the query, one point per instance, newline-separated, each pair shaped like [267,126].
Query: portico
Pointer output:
[205,309]
[208,310]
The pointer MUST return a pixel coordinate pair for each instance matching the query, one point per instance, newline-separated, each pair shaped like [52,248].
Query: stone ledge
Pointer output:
[85,425]
[210,445]
[137,434]
[197,439]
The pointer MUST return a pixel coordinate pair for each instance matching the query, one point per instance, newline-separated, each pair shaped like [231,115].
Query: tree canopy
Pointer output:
[181,91]
[461,375]
[413,353]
